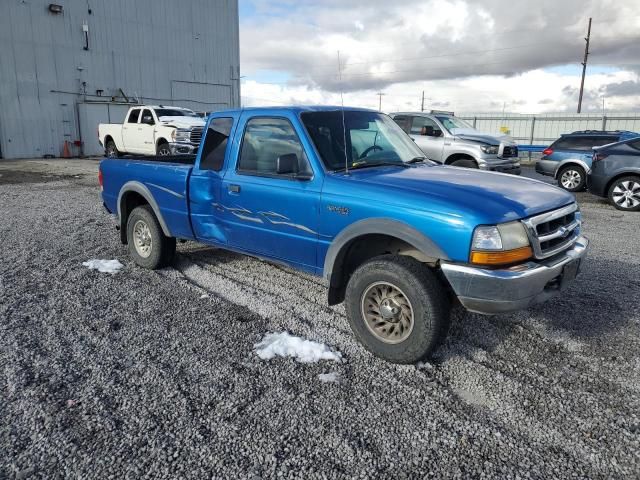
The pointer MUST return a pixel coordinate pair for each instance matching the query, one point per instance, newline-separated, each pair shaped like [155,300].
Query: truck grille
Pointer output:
[553,232]
[509,151]
[196,135]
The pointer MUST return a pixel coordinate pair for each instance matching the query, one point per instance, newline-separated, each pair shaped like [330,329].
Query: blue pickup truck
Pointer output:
[347,195]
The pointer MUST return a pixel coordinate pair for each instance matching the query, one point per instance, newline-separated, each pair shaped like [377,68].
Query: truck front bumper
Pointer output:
[183,148]
[488,291]
[511,165]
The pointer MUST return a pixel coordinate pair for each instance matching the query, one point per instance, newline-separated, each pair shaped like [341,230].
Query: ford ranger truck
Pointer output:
[347,195]
[153,130]
[447,139]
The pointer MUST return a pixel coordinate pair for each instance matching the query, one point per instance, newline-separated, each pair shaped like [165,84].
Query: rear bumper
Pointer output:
[597,184]
[489,291]
[546,167]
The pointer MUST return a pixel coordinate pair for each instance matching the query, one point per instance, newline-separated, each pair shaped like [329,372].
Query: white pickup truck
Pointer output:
[153,130]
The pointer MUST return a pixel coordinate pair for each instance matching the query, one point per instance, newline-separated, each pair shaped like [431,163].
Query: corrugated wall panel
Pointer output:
[141,46]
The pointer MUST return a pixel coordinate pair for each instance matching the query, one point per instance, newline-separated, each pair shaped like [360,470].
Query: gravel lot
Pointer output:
[152,374]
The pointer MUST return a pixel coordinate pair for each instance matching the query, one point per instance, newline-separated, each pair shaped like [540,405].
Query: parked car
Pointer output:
[447,139]
[153,130]
[568,159]
[397,237]
[615,173]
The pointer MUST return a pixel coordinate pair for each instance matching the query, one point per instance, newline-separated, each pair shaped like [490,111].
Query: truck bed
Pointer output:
[180,159]
[164,178]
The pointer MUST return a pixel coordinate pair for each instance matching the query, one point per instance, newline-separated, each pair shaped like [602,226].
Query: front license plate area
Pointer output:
[569,273]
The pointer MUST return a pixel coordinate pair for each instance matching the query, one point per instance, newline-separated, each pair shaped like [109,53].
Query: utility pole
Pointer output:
[584,65]
[380,94]
[422,107]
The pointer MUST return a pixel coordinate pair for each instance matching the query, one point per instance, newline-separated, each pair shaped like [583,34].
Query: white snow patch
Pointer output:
[304,351]
[204,295]
[104,266]
[331,377]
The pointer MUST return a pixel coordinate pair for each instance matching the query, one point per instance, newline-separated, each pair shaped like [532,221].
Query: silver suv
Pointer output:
[450,140]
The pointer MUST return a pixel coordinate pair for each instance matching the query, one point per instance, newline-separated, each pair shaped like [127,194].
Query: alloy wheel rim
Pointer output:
[142,239]
[387,312]
[571,179]
[164,152]
[627,194]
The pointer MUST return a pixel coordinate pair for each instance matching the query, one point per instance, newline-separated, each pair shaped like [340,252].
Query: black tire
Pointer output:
[110,150]
[163,149]
[572,178]
[465,163]
[616,193]
[427,299]
[161,249]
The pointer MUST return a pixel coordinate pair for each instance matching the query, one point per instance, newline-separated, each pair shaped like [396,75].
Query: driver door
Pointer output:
[429,136]
[145,139]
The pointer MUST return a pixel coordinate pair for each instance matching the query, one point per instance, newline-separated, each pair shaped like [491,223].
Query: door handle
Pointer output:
[234,188]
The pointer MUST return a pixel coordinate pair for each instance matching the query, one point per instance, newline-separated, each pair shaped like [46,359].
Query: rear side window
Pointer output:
[216,142]
[266,139]
[133,116]
[403,121]
[584,143]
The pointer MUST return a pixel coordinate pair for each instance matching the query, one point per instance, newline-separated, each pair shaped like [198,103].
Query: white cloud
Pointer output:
[469,55]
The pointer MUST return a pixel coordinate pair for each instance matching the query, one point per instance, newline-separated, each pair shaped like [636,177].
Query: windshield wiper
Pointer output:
[417,160]
[359,165]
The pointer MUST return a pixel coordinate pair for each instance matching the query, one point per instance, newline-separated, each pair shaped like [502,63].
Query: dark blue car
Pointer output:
[568,159]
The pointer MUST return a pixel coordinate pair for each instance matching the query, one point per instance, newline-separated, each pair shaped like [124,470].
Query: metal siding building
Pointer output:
[63,73]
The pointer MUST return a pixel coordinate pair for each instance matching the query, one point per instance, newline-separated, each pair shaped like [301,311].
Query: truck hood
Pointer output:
[182,122]
[490,196]
[475,136]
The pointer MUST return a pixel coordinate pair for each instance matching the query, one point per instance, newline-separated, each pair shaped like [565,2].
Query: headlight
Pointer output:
[181,135]
[490,149]
[500,245]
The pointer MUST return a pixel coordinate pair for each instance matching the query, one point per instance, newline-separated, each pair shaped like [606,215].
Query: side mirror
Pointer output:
[427,131]
[287,164]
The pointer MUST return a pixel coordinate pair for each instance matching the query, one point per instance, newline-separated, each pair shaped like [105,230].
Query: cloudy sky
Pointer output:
[471,56]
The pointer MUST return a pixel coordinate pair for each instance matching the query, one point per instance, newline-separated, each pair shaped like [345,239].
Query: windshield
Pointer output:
[452,122]
[174,112]
[372,138]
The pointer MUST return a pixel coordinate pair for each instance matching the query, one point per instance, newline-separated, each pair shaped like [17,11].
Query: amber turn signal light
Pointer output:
[501,257]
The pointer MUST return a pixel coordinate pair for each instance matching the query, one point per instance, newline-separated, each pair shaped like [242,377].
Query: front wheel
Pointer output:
[397,308]
[148,245]
[624,194]
[164,150]
[572,178]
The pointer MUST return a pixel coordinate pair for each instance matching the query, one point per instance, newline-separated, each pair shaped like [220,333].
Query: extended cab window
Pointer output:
[266,139]
[133,116]
[215,145]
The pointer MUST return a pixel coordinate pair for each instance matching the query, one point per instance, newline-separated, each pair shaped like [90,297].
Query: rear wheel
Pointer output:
[164,150]
[397,308]
[572,178]
[110,150]
[465,163]
[624,193]
[148,245]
